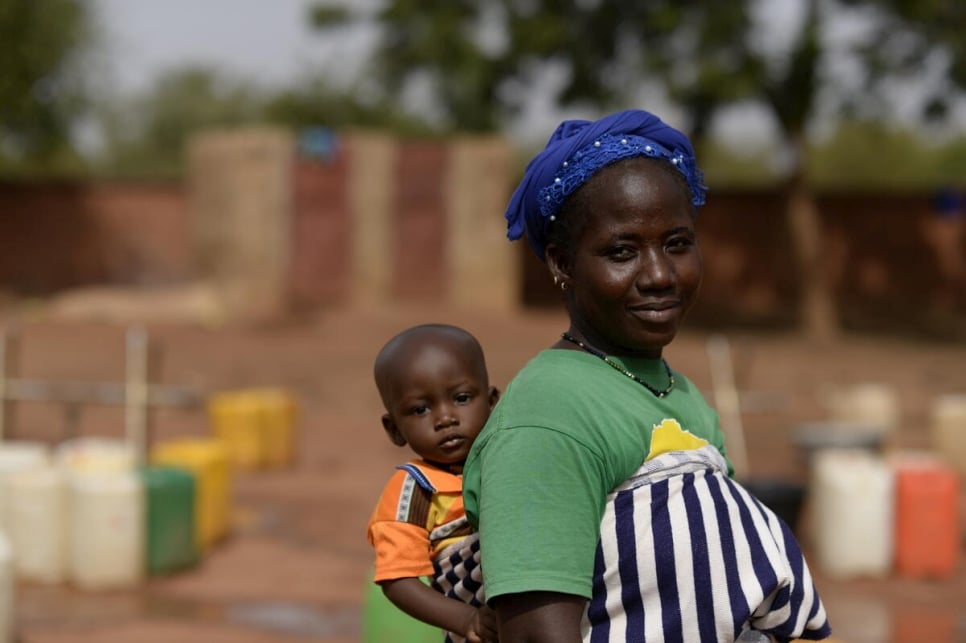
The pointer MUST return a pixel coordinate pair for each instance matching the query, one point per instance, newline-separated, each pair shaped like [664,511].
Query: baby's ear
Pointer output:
[494,396]
[393,431]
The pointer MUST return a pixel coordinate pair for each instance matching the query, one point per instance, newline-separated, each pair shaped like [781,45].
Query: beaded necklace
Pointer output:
[593,351]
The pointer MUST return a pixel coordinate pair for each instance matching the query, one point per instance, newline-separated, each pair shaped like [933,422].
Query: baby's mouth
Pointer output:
[451,441]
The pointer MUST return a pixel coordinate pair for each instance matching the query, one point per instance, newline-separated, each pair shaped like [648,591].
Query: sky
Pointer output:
[265,40]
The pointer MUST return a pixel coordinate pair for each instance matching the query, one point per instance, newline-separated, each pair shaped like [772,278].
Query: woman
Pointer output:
[600,485]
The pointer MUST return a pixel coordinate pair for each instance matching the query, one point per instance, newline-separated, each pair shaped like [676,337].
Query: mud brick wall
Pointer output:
[371,159]
[240,200]
[894,264]
[427,222]
[320,230]
[55,236]
[388,220]
[484,271]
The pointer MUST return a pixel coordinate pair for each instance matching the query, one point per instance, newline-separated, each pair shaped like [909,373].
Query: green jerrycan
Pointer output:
[170,515]
[383,622]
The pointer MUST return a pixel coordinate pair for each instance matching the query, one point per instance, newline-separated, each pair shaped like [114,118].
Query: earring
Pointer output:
[563,285]
[555,281]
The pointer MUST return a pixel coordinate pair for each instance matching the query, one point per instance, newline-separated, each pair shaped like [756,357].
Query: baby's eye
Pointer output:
[422,409]
[463,398]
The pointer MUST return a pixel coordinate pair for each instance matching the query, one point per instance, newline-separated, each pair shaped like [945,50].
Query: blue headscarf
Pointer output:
[576,151]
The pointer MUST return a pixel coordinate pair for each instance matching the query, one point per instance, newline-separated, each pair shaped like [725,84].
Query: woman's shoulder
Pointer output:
[553,367]
[547,391]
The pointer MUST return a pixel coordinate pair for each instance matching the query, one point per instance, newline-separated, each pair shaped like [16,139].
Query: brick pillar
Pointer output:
[371,173]
[484,267]
[420,226]
[240,203]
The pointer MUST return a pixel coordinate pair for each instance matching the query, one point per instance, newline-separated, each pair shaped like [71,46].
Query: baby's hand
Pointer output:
[482,627]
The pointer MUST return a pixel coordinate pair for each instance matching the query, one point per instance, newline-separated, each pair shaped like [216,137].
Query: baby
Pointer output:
[434,385]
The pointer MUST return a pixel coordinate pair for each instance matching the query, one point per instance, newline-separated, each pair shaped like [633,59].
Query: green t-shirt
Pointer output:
[567,431]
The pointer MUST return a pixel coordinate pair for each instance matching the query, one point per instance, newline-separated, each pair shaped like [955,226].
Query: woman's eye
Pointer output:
[678,243]
[620,253]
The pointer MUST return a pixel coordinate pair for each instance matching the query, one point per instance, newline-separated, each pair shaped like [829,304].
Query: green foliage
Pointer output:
[873,155]
[146,135]
[315,103]
[910,35]
[705,55]
[41,81]
[724,167]
[328,16]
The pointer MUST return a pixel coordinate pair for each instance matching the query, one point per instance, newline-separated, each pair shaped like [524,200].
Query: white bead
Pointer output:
[596,143]
[566,163]
[557,180]
[675,161]
[648,148]
[553,217]
[623,141]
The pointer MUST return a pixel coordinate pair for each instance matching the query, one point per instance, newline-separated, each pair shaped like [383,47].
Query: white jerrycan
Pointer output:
[37,513]
[106,527]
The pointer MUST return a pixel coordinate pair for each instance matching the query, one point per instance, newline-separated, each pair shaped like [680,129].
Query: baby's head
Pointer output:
[434,385]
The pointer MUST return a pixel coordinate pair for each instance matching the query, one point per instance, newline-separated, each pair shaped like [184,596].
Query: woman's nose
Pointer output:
[655,272]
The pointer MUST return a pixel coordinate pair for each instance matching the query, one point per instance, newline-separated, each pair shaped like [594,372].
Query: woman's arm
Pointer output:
[422,602]
[539,617]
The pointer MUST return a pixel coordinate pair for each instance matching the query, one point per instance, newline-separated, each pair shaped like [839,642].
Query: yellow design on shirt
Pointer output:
[669,436]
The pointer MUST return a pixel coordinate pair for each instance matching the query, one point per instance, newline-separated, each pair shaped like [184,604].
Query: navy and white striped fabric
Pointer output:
[686,554]
[458,575]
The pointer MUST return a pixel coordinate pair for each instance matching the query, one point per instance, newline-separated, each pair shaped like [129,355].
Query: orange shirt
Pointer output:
[419,513]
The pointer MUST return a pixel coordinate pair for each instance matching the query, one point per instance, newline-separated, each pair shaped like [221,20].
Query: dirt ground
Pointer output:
[294,566]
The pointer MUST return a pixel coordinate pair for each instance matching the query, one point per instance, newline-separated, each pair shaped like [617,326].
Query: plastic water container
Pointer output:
[383,622]
[16,455]
[7,589]
[279,412]
[94,454]
[258,425]
[948,428]
[236,418]
[170,496]
[207,460]
[106,529]
[852,500]
[37,509]
[927,516]
[868,404]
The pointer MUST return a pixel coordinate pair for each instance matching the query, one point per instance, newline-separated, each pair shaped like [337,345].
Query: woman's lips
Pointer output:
[660,313]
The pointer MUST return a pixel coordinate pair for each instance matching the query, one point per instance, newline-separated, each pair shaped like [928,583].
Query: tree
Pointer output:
[146,135]
[42,90]
[315,103]
[707,55]
[436,43]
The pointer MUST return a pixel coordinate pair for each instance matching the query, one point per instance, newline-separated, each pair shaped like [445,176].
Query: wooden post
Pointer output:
[9,345]
[136,392]
[728,402]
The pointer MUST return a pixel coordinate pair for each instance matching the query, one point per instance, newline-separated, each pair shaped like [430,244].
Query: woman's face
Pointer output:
[635,265]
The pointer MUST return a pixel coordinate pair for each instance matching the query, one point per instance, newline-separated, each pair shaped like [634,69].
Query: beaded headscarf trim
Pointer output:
[608,149]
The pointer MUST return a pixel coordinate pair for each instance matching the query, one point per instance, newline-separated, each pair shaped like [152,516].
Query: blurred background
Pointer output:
[213,213]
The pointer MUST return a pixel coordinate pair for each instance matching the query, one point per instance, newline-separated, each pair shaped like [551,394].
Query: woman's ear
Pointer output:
[558,265]
[392,430]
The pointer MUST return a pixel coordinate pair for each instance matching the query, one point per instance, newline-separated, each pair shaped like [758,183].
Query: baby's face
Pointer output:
[439,403]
